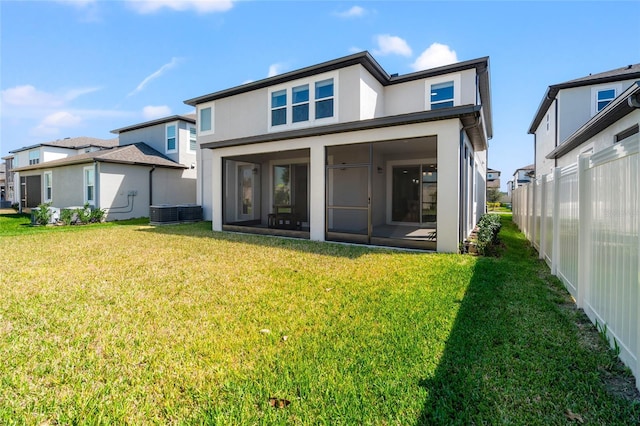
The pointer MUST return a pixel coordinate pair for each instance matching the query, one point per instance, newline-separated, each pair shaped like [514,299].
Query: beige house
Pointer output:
[343,151]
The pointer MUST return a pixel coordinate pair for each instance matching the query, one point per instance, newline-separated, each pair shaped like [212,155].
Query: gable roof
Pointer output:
[190,118]
[370,64]
[134,154]
[73,143]
[614,111]
[628,72]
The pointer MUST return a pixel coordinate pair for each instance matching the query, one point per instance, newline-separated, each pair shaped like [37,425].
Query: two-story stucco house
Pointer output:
[150,163]
[343,151]
[566,107]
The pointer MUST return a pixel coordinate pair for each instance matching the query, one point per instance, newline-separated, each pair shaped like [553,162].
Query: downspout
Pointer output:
[555,160]
[153,169]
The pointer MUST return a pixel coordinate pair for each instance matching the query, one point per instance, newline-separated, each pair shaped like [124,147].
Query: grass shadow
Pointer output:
[514,354]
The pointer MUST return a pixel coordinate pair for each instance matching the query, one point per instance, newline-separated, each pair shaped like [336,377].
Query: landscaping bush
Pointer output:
[42,214]
[488,228]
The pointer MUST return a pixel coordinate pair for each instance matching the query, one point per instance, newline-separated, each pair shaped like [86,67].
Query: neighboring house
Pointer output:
[493,178]
[29,187]
[343,151]
[150,163]
[3,181]
[566,107]
[522,176]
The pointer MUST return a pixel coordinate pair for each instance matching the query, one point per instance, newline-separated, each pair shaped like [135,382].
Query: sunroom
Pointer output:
[379,193]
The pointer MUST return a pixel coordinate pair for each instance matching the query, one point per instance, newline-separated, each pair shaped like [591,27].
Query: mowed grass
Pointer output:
[135,324]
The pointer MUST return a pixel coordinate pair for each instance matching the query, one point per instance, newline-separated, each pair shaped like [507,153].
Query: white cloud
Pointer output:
[275,69]
[52,123]
[388,44]
[154,75]
[200,6]
[150,112]
[354,12]
[28,95]
[435,56]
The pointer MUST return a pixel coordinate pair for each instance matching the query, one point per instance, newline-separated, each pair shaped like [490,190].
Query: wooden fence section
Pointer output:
[584,220]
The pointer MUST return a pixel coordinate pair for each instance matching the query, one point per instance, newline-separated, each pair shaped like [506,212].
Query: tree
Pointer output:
[494,195]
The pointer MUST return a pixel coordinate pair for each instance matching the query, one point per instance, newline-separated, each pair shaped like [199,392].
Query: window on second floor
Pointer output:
[442,95]
[171,138]
[206,120]
[604,97]
[34,157]
[193,141]
[305,103]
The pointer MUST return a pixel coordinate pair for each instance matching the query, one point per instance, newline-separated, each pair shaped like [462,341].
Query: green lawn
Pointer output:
[116,324]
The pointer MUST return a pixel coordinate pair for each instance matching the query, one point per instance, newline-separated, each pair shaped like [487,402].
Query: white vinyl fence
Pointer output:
[584,220]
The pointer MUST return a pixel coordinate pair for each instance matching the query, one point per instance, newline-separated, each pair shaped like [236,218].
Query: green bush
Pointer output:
[96,215]
[67,216]
[42,214]
[488,228]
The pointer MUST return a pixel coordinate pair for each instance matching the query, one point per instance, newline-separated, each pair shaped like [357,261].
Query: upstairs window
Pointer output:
[205,120]
[34,157]
[604,97]
[193,141]
[171,138]
[279,107]
[442,95]
[300,101]
[324,98]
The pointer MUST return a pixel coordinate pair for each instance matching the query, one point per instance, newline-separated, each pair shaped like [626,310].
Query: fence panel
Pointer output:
[593,224]
[567,267]
[613,296]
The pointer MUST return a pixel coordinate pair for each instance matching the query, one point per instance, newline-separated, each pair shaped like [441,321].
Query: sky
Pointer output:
[85,67]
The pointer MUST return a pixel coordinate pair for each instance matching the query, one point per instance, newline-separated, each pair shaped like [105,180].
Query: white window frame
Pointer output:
[34,159]
[166,138]
[85,185]
[202,107]
[195,134]
[443,79]
[47,185]
[597,89]
[312,121]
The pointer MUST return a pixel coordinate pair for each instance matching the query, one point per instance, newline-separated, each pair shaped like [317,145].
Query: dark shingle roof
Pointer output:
[73,143]
[628,72]
[138,154]
[191,118]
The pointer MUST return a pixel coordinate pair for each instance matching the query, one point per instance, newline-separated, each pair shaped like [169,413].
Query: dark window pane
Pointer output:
[324,89]
[278,116]
[442,91]
[602,104]
[300,113]
[300,94]
[606,94]
[324,108]
[171,144]
[279,99]
[442,105]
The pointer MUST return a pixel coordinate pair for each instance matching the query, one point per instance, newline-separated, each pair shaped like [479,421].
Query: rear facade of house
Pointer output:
[342,151]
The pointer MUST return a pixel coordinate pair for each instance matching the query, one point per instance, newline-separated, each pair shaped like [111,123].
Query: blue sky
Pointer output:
[86,67]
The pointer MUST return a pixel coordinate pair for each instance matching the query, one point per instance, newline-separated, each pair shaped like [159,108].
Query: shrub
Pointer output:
[67,216]
[96,215]
[42,214]
[488,228]
[84,213]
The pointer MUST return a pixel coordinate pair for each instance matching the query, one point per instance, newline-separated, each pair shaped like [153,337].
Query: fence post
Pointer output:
[555,250]
[584,230]
[543,218]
